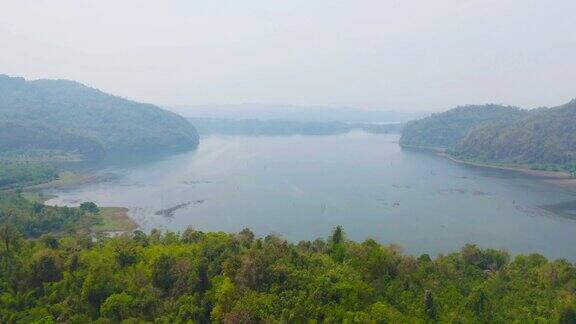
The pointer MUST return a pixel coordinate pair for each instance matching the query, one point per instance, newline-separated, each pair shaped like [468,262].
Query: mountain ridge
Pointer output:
[71,108]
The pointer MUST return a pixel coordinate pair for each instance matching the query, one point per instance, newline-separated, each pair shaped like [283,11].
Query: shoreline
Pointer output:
[115,219]
[557,178]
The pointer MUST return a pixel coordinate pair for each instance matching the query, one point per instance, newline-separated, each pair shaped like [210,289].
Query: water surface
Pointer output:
[302,186]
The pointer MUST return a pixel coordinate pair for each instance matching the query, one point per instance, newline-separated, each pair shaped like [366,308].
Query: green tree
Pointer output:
[162,275]
[430,305]
[118,307]
[89,207]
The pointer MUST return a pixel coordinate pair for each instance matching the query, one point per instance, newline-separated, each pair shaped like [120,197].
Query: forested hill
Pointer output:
[447,129]
[546,139]
[60,117]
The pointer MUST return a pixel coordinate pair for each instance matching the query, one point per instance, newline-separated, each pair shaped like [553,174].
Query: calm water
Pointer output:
[302,186]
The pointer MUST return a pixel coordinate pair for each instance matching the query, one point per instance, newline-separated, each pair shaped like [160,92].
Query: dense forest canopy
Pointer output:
[66,117]
[545,139]
[237,278]
[447,129]
[21,174]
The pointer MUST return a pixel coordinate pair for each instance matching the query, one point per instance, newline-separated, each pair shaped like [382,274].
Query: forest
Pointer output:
[542,138]
[55,268]
[197,277]
[63,120]
[20,174]
[447,129]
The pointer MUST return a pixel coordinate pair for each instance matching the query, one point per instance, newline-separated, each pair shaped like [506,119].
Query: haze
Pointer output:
[376,54]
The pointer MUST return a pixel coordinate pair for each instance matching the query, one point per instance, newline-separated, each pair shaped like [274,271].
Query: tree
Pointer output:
[47,267]
[50,242]
[245,237]
[89,207]
[10,240]
[125,251]
[478,303]
[337,235]
[429,305]
[567,312]
[118,307]
[9,236]
[190,235]
[162,275]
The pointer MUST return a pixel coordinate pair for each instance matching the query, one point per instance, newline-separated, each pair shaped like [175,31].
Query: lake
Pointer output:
[302,186]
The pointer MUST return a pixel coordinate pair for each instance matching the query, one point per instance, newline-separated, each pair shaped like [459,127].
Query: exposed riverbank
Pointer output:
[114,219]
[559,178]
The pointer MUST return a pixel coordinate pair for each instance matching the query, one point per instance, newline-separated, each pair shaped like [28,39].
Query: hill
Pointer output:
[68,117]
[294,113]
[546,139]
[282,127]
[447,129]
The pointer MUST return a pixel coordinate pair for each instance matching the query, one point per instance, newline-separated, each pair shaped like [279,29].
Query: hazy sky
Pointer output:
[401,55]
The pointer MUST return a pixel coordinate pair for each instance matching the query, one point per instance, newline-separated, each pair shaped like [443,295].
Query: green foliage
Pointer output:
[21,174]
[541,139]
[447,129]
[89,207]
[544,140]
[118,307]
[236,278]
[33,219]
[58,119]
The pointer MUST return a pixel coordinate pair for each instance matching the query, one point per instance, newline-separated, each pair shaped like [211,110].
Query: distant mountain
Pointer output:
[70,118]
[545,139]
[293,113]
[447,129]
[277,127]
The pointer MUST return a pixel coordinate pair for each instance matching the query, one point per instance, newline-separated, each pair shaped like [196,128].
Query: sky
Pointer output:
[403,55]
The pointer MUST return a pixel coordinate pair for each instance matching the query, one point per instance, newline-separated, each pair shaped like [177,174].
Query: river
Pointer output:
[300,187]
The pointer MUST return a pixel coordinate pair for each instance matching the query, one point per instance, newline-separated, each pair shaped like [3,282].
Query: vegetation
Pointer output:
[56,118]
[505,136]
[393,128]
[20,174]
[235,278]
[33,219]
[544,140]
[256,127]
[208,126]
[446,130]
[114,219]
[273,112]
[63,274]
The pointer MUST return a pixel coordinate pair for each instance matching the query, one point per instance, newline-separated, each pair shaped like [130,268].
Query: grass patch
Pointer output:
[115,219]
[32,196]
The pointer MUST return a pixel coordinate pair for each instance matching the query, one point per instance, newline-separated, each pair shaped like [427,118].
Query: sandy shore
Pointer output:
[559,178]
